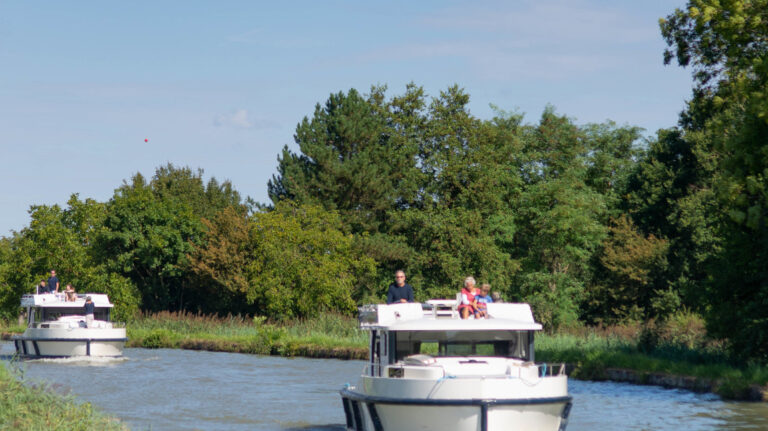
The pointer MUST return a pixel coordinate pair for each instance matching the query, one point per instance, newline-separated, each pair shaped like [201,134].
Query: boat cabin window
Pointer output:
[45,314]
[509,344]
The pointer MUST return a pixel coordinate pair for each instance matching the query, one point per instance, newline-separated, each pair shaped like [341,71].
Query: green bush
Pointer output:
[158,338]
[36,407]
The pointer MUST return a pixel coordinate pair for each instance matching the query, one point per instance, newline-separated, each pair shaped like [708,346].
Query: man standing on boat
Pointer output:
[399,291]
[53,282]
[89,308]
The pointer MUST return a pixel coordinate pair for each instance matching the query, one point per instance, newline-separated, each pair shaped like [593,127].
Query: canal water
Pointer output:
[186,390]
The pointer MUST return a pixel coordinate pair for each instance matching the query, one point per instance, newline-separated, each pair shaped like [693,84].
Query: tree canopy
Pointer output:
[591,223]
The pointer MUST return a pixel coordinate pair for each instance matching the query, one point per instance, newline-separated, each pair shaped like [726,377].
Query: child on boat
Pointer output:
[484,298]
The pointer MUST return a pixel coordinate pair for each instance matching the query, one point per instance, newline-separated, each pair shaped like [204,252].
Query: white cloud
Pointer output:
[241,119]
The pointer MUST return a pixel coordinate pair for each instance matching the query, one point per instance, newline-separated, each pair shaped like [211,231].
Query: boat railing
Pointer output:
[551,370]
[372,370]
[437,308]
[544,370]
[68,324]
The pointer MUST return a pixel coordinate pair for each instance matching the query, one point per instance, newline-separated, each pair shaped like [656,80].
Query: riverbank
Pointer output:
[37,407]
[600,357]
[624,354]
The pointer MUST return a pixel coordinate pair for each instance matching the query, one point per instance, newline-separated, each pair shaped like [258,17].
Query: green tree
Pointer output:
[222,263]
[560,218]
[147,240]
[357,157]
[444,246]
[15,277]
[304,263]
[726,43]
[151,228]
[628,260]
[670,195]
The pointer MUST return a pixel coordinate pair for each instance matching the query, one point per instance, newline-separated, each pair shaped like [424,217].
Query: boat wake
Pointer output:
[81,360]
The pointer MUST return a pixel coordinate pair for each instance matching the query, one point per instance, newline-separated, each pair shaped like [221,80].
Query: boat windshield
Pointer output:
[509,344]
[48,314]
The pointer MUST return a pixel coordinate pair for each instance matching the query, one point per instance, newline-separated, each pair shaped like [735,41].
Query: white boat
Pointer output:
[57,327]
[430,370]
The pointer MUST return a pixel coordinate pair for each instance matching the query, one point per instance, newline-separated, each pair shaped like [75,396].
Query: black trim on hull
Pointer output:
[356,396]
[353,398]
[374,417]
[22,341]
[70,339]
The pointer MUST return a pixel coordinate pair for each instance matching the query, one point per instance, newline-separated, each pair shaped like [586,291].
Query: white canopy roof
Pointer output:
[430,324]
[50,300]
[411,317]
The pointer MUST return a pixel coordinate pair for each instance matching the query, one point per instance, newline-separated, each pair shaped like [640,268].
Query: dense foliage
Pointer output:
[589,223]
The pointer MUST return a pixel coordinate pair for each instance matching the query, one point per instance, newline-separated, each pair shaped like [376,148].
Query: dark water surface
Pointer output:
[186,390]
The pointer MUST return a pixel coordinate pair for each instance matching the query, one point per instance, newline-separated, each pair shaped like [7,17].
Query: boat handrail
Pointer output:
[47,323]
[544,370]
[372,370]
[551,370]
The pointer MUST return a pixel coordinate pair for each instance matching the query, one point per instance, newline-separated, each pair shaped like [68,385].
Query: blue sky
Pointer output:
[222,85]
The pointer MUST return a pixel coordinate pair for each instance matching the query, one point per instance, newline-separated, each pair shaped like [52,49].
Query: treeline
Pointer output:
[589,223]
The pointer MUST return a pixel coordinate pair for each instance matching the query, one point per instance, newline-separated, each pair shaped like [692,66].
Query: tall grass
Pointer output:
[676,347]
[27,407]
[329,335]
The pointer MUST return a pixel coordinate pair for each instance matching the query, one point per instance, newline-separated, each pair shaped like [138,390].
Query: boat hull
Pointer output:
[371,413]
[53,343]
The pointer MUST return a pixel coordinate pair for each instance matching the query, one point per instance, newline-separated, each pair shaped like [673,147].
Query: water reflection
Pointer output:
[186,390]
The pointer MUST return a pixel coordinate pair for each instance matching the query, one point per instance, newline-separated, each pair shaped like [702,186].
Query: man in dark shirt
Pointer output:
[399,291]
[53,282]
[89,309]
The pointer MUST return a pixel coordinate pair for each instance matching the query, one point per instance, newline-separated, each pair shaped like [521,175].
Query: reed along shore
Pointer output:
[35,406]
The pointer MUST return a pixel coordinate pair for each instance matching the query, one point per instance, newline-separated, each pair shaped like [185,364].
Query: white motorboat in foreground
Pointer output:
[57,328]
[430,370]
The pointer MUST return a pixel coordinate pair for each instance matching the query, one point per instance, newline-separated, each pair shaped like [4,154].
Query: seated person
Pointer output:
[468,304]
[496,297]
[42,288]
[483,298]
[70,292]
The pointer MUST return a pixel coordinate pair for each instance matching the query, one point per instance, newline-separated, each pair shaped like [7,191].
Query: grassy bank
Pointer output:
[675,354]
[28,407]
[594,357]
[330,336]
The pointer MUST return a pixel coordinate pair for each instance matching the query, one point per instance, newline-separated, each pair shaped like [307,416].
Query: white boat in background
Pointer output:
[430,370]
[57,328]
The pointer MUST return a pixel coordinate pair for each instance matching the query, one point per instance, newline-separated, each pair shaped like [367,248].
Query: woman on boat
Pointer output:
[468,303]
[70,291]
